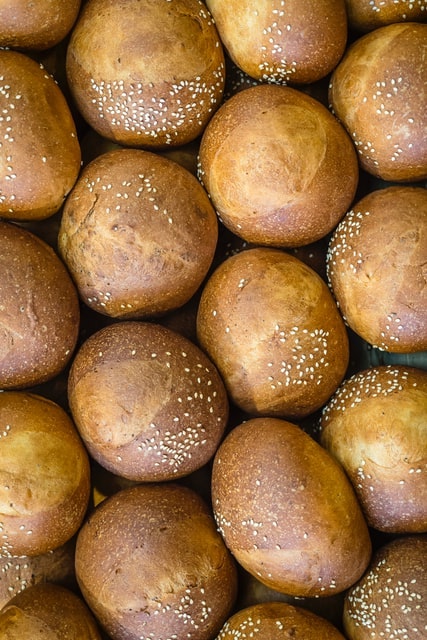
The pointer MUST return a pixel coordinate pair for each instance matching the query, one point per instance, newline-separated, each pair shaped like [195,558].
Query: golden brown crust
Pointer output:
[38,140]
[150,563]
[148,403]
[45,475]
[296,41]
[389,600]
[378,92]
[134,246]
[272,328]
[376,268]
[366,15]
[36,25]
[276,621]
[375,426]
[158,73]
[279,168]
[287,511]
[48,611]
[39,314]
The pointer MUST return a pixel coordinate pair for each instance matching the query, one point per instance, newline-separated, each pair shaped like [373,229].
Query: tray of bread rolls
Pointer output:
[213,320]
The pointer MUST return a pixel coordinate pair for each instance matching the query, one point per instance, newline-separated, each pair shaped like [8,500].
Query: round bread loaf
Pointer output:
[278,166]
[296,41]
[147,402]
[367,15]
[135,246]
[47,611]
[270,325]
[378,92]
[44,475]
[276,621]
[390,599]
[376,427]
[146,73]
[151,564]
[287,511]
[39,311]
[376,268]
[39,145]
[36,25]
[19,573]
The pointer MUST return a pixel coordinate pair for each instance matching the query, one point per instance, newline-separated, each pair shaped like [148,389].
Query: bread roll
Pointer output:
[287,511]
[378,92]
[50,612]
[376,268]
[271,326]
[367,15]
[278,166]
[146,74]
[39,312]
[44,475]
[40,150]
[275,621]
[36,25]
[375,425]
[151,564]
[296,41]
[389,600]
[135,246]
[148,403]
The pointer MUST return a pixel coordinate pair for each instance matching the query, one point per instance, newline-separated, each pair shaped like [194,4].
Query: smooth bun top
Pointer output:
[378,92]
[158,73]
[297,41]
[40,150]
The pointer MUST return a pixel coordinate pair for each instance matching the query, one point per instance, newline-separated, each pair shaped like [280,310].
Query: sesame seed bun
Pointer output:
[150,563]
[375,425]
[366,15]
[134,246]
[287,511]
[148,402]
[36,25]
[275,621]
[40,151]
[278,166]
[48,611]
[39,312]
[270,324]
[375,266]
[378,92]
[389,600]
[158,73]
[44,475]
[296,41]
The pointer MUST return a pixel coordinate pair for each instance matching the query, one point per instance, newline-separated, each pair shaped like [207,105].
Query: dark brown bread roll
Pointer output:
[44,475]
[39,311]
[36,25]
[296,41]
[148,403]
[151,564]
[270,325]
[376,268]
[366,15]
[376,427]
[138,234]
[47,611]
[389,601]
[39,145]
[278,166]
[158,73]
[287,511]
[276,621]
[378,92]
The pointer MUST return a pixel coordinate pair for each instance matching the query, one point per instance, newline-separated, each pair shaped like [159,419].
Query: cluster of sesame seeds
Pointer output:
[8,100]
[377,5]
[248,628]
[275,67]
